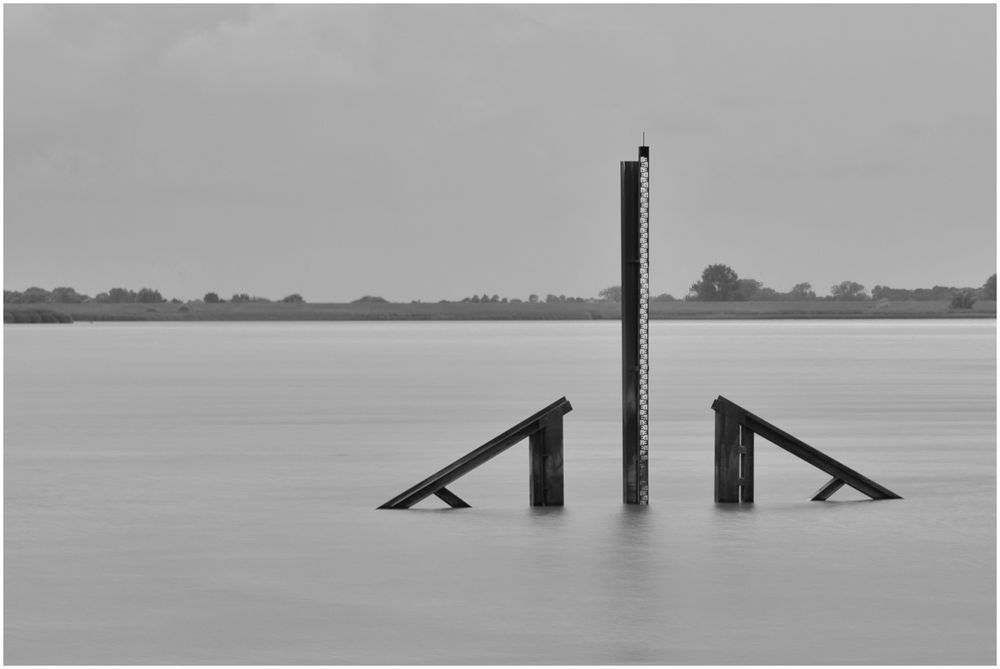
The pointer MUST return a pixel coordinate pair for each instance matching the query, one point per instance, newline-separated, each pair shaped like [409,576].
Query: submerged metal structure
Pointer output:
[735,428]
[635,328]
[544,432]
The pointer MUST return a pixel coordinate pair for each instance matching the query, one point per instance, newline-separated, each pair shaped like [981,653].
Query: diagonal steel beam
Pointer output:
[465,464]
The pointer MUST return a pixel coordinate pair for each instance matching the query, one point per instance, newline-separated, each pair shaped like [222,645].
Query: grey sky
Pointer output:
[432,152]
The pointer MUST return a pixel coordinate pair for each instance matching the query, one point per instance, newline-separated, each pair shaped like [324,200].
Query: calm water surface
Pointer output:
[205,493]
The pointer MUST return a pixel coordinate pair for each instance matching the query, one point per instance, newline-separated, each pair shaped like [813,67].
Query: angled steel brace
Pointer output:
[543,429]
[734,430]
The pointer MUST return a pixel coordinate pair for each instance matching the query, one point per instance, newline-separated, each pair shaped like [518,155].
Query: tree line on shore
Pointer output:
[718,283]
[67,295]
[721,283]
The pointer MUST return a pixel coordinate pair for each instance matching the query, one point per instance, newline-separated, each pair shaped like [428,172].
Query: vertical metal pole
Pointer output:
[727,455]
[644,324]
[630,331]
[635,333]
[746,464]
[546,458]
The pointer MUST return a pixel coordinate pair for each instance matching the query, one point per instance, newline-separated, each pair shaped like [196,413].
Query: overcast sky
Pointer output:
[433,152]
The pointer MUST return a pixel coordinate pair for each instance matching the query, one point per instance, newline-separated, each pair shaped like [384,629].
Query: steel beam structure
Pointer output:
[635,328]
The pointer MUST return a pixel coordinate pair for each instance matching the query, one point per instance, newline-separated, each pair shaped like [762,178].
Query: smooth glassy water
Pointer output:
[205,493]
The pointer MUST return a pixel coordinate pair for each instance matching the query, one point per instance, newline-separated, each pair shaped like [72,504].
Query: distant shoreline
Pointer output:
[471,311]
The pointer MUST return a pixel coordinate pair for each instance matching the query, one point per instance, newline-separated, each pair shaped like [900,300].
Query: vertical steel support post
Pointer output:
[546,456]
[635,333]
[733,457]
[727,456]
[746,464]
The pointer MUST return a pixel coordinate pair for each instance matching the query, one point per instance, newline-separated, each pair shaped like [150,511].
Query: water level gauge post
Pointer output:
[635,328]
